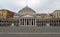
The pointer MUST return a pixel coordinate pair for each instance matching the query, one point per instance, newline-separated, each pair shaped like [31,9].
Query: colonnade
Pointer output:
[28,21]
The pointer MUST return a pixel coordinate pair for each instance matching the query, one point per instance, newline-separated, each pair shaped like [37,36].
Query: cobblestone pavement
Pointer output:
[29,35]
[30,31]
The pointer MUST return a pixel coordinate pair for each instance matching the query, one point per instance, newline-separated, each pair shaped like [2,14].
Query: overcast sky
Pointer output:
[40,6]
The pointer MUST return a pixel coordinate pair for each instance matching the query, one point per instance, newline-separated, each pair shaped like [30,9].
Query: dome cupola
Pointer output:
[26,10]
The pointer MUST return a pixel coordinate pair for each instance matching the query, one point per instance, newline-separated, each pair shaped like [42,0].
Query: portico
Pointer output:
[28,21]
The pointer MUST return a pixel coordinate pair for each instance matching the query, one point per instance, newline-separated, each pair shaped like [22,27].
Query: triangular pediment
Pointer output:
[27,16]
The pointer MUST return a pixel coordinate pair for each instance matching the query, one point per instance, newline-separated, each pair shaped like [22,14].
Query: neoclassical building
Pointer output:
[28,17]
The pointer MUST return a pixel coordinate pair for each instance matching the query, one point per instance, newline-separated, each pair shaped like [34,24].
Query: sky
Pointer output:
[40,6]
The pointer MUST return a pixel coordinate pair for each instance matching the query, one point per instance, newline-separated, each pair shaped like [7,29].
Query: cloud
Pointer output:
[40,6]
[49,6]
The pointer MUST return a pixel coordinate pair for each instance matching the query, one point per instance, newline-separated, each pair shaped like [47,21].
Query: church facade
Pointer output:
[28,17]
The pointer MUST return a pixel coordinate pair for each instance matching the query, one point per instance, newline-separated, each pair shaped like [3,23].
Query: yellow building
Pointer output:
[0,13]
[3,13]
[56,14]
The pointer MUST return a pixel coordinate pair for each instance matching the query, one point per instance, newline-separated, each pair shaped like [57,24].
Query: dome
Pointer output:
[27,9]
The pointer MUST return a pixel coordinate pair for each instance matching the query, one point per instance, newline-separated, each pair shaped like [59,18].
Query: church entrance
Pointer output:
[27,21]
